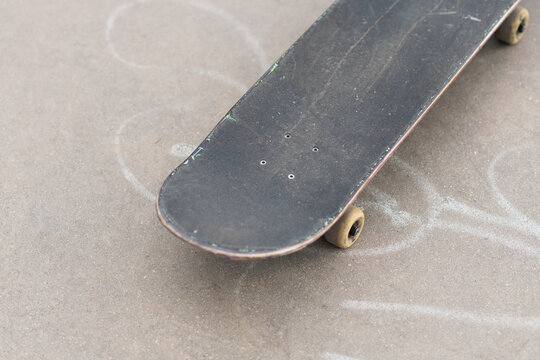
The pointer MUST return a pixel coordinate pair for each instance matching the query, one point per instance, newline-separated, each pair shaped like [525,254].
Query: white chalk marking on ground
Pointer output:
[117,148]
[108,29]
[242,29]
[179,149]
[485,217]
[529,225]
[510,243]
[223,78]
[334,356]
[182,150]
[433,199]
[437,204]
[524,323]
[387,205]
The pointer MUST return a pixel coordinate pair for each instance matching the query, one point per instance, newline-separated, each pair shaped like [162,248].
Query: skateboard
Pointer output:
[284,165]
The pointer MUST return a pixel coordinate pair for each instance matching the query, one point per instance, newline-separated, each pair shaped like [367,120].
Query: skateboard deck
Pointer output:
[285,162]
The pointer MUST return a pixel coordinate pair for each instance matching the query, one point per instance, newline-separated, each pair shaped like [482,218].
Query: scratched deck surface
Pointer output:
[285,161]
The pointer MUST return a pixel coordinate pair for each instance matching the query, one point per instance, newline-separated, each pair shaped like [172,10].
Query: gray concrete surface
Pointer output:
[99,100]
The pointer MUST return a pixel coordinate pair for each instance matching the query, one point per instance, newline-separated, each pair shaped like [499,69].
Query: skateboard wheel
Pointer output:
[513,28]
[347,230]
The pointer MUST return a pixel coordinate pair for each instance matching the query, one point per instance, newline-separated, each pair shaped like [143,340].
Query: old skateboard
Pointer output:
[284,165]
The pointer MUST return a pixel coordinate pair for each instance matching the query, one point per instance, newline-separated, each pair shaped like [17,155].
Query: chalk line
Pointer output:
[182,150]
[334,356]
[433,200]
[387,205]
[177,149]
[223,78]
[522,323]
[485,217]
[515,220]
[242,29]
[508,242]
[530,225]
[132,179]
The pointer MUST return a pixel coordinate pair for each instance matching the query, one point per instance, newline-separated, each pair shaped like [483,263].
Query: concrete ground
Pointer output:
[99,100]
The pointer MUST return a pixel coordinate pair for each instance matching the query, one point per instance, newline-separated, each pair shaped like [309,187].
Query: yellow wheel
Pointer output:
[513,28]
[347,230]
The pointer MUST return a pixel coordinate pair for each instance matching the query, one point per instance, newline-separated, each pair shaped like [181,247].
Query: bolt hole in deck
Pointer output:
[288,136]
[263,162]
[315,149]
[291,176]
